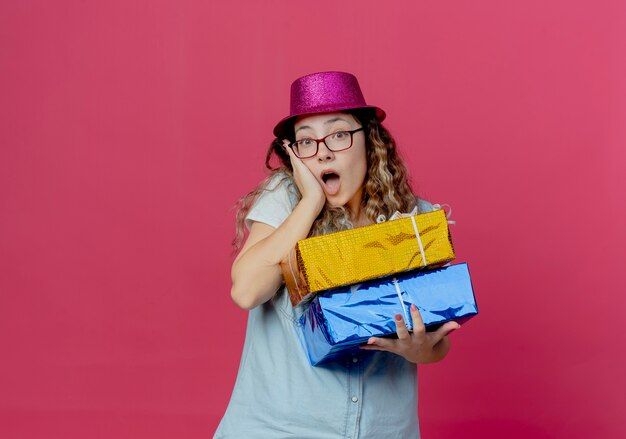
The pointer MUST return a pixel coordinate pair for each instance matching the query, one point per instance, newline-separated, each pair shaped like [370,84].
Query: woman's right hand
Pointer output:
[309,187]
[256,273]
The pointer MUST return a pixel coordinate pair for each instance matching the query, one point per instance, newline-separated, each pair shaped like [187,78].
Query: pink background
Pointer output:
[129,129]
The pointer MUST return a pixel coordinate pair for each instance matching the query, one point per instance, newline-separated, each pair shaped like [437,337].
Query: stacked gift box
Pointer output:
[357,280]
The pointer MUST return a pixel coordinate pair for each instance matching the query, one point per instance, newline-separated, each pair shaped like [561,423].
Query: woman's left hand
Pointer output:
[419,346]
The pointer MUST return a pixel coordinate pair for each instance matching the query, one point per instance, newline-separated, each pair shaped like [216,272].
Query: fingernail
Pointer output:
[398,317]
[413,307]
[371,341]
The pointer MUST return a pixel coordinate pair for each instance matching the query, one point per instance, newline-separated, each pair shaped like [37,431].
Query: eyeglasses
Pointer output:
[337,141]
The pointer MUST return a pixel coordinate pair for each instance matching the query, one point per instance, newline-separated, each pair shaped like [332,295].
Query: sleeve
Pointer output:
[273,205]
[424,206]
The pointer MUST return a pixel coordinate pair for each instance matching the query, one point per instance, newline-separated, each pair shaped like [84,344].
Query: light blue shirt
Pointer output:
[278,394]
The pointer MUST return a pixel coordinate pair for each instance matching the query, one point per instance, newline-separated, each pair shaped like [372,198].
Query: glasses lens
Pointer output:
[305,148]
[339,140]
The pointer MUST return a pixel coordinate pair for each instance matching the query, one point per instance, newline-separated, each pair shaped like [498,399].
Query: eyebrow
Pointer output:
[328,122]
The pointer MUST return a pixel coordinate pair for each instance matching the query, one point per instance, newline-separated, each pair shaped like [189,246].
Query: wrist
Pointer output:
[313,204]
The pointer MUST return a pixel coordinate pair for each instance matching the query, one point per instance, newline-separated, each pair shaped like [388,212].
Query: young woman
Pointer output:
[339,169]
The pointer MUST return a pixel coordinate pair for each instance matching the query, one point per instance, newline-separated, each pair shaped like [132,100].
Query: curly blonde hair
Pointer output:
[387,188]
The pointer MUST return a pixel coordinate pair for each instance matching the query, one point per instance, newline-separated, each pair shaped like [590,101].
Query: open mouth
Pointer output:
[331,181]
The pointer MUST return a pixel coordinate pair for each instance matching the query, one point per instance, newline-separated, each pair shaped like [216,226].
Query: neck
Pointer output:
[355,210]
[357,214]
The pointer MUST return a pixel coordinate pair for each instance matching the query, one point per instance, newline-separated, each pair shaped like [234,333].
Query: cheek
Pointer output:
[359,165]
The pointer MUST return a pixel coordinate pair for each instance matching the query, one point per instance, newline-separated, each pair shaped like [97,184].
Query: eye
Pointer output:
[340,135]
[304,142]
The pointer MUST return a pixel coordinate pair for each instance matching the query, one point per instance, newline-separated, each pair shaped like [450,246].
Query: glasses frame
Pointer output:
[323,139]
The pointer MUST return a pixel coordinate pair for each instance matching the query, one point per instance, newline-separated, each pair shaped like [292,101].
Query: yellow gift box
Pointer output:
[364,253]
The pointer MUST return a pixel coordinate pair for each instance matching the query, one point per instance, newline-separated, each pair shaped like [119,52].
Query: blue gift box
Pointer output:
[339,320]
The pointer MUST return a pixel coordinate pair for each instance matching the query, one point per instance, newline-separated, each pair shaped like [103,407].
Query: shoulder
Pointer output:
[423,206]
[275,180]
[274,202]
[282,185]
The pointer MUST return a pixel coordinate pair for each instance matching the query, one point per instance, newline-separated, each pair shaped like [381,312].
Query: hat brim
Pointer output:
[280,126]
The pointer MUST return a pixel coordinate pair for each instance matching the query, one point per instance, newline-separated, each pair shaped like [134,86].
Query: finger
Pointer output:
[296,164]
[444,330]
[403,333]
[382,343]
[367,347]
[418,323]
[295,161]
[288,149]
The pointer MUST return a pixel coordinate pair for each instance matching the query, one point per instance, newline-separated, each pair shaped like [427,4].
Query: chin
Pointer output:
[330,203]
[336,201]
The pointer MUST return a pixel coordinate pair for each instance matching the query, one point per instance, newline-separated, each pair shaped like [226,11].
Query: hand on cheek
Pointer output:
[419,346]
[308,185]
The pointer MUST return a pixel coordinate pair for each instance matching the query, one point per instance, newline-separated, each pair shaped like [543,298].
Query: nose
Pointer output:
[323,153]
